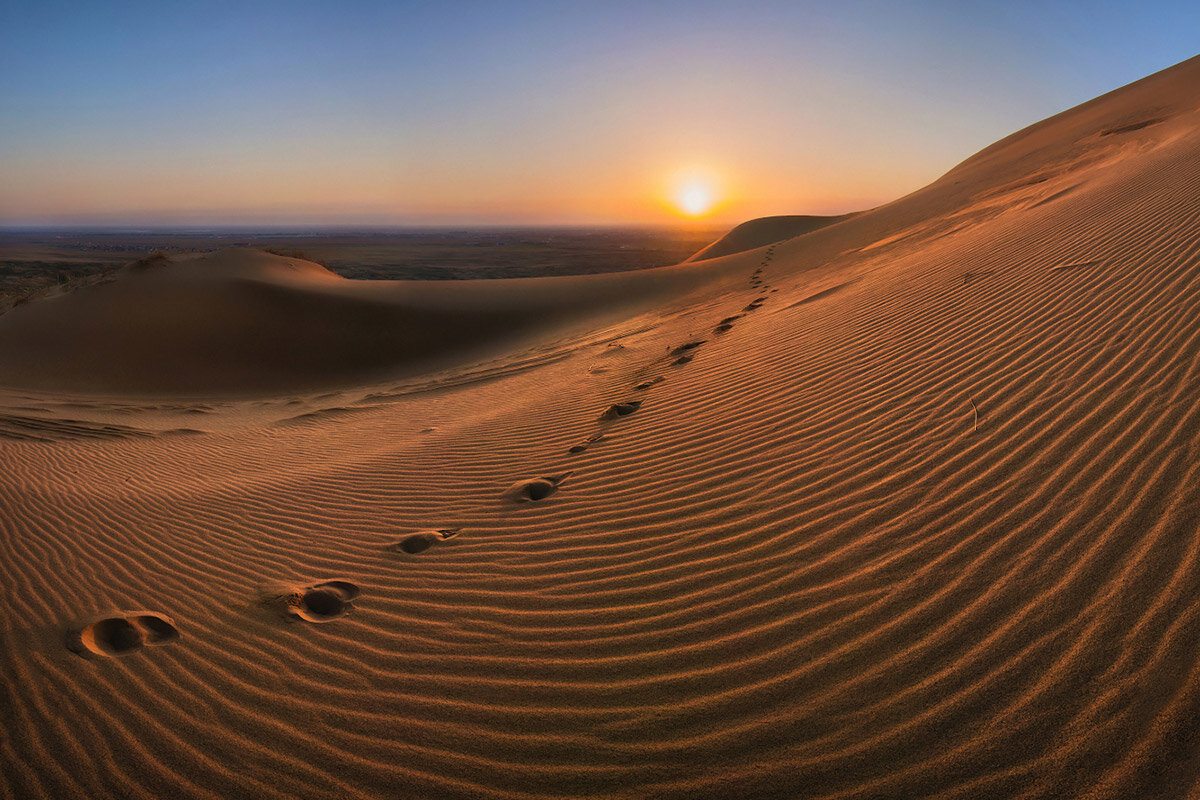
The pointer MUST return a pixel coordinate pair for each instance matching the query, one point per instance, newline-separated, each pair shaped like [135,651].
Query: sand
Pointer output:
[904,506]
[764,231]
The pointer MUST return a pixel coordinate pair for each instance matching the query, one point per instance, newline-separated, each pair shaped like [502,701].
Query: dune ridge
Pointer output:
[241,321]
[920,522]
[764,231]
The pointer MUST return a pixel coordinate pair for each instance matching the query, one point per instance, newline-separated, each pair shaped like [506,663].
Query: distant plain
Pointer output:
[34,261]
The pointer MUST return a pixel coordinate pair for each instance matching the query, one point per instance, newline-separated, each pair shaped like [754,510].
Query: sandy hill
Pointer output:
[903,506]
[764,231]
[242,321]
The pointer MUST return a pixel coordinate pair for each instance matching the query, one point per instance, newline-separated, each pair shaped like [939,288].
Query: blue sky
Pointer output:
[417,113]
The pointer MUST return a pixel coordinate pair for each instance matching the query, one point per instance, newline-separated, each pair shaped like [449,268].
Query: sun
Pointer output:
[694,198]
[694,195]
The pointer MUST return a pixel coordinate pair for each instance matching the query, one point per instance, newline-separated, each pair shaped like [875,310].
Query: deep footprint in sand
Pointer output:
[585,444]
[535,489]
[618,410]
[122,634]
[420,542]
[683,348]
[320,602]
[648,383]
[723,327]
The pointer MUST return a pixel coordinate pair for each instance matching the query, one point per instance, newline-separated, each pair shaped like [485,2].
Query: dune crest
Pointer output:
[763,231]
[901,507]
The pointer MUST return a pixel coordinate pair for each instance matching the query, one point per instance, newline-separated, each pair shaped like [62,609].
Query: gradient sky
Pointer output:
[407,113]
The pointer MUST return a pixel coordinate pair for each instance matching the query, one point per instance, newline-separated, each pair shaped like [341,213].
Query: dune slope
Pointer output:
[241,321]
[902,507]
[763,231]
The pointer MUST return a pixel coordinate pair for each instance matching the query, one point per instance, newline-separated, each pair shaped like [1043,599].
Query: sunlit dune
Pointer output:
[893,504]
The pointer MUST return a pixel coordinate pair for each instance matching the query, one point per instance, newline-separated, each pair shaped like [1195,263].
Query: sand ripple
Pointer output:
[922,522]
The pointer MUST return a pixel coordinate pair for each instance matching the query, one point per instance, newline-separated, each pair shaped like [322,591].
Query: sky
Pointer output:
[497,113]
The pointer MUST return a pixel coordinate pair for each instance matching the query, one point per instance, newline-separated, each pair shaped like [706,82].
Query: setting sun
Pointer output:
[695,199]
[694,194]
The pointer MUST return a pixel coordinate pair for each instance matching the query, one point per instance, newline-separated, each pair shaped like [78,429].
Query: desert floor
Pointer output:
[901,506]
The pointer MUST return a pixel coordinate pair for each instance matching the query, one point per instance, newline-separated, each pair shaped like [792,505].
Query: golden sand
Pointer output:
[902,506]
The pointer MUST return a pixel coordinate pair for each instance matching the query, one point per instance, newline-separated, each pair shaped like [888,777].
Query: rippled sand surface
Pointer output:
[903,506]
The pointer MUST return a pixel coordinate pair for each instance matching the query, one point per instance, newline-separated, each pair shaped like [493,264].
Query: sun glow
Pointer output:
[694,194]
[694,199]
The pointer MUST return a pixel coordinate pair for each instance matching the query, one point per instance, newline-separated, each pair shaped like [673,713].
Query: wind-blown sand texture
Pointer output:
[902,507]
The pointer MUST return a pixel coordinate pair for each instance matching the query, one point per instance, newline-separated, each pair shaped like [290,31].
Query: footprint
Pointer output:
[683,348]
[725,326]
[530,491]
[728,320]
[647,384]
[320,602]
[618,410]
[122,634]
[585,444]
[682,360]
[420,542]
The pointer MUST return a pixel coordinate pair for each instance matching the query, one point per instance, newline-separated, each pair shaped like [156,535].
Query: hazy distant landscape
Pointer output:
[36,259]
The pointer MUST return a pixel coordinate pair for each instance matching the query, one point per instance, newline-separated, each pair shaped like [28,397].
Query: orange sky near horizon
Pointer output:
[332,186]
[378,113]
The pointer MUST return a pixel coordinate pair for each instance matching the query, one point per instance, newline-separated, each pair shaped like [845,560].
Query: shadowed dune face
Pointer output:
[921,523]
[248,322]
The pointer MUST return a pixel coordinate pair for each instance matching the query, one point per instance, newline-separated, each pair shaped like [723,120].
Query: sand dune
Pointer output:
[241,321]
[900,507]
[764,231]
